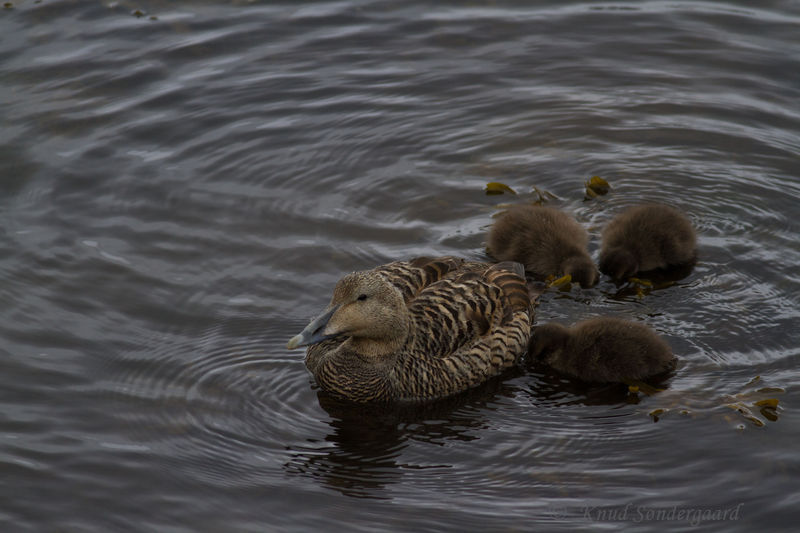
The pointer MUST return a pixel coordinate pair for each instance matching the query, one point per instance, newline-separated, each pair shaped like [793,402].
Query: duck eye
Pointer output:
[361,297]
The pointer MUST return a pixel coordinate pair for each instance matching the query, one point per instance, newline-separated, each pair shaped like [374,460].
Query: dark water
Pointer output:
[179,195]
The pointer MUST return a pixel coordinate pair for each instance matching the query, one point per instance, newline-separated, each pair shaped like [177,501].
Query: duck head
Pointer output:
[367,309]
[581,269]
[547,339]
[619,264]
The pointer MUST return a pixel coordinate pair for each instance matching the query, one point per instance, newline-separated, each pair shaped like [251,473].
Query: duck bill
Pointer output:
[314,331]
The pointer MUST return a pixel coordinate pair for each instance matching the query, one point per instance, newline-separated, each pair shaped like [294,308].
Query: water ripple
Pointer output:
[181,191]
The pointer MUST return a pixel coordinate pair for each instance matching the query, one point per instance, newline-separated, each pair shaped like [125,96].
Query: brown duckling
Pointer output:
[603,350]
[544,239]
[419,330]
[646,237]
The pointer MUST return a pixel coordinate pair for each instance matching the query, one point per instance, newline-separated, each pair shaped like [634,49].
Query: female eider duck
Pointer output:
[419,330]
[547,241]
[646,237]
[602,350]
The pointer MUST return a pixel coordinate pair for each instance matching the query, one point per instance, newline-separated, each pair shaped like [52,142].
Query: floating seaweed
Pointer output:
[563,283]
[636,386]
[745,403]
[543,196]
[753,406]
[642,286]
[746,413]
[495,187]
[769,402]
[595,187]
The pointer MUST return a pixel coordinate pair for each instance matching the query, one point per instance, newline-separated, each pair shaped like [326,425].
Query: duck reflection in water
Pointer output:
[360,455]
[363,452]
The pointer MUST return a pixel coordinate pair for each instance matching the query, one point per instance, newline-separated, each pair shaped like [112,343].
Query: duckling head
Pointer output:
[367,309]
[619,264]
[548,339]
[581,269]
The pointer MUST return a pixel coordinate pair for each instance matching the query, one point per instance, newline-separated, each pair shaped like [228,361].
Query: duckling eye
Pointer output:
[361,297]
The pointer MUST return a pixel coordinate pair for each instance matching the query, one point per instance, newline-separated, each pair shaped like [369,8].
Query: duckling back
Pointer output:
[603,349]
[544,239]
[645,238]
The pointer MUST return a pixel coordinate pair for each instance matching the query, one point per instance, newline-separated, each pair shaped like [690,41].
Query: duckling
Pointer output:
[547,241]
[603,350]
[647,237]
[419,330]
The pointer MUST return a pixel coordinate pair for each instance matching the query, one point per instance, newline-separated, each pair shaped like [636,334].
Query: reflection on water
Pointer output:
[360,455]
[179,195]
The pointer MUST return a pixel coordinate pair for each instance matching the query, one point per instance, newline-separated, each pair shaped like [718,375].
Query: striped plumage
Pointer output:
[419,330]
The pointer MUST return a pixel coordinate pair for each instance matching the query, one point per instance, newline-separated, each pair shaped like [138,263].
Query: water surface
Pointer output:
[181,187]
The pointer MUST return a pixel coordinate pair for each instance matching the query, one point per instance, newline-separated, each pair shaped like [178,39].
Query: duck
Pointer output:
[419,330]
[548,241]
[647,237]
[602,350]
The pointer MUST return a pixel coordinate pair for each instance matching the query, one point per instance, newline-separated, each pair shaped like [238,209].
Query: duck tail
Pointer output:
[509,276]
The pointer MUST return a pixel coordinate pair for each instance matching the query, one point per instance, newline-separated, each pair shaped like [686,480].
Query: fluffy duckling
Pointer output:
[547,241]
[419,330]
[603,350]
[645,238]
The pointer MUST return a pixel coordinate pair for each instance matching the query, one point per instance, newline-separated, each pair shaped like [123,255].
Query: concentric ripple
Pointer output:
[218,405]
